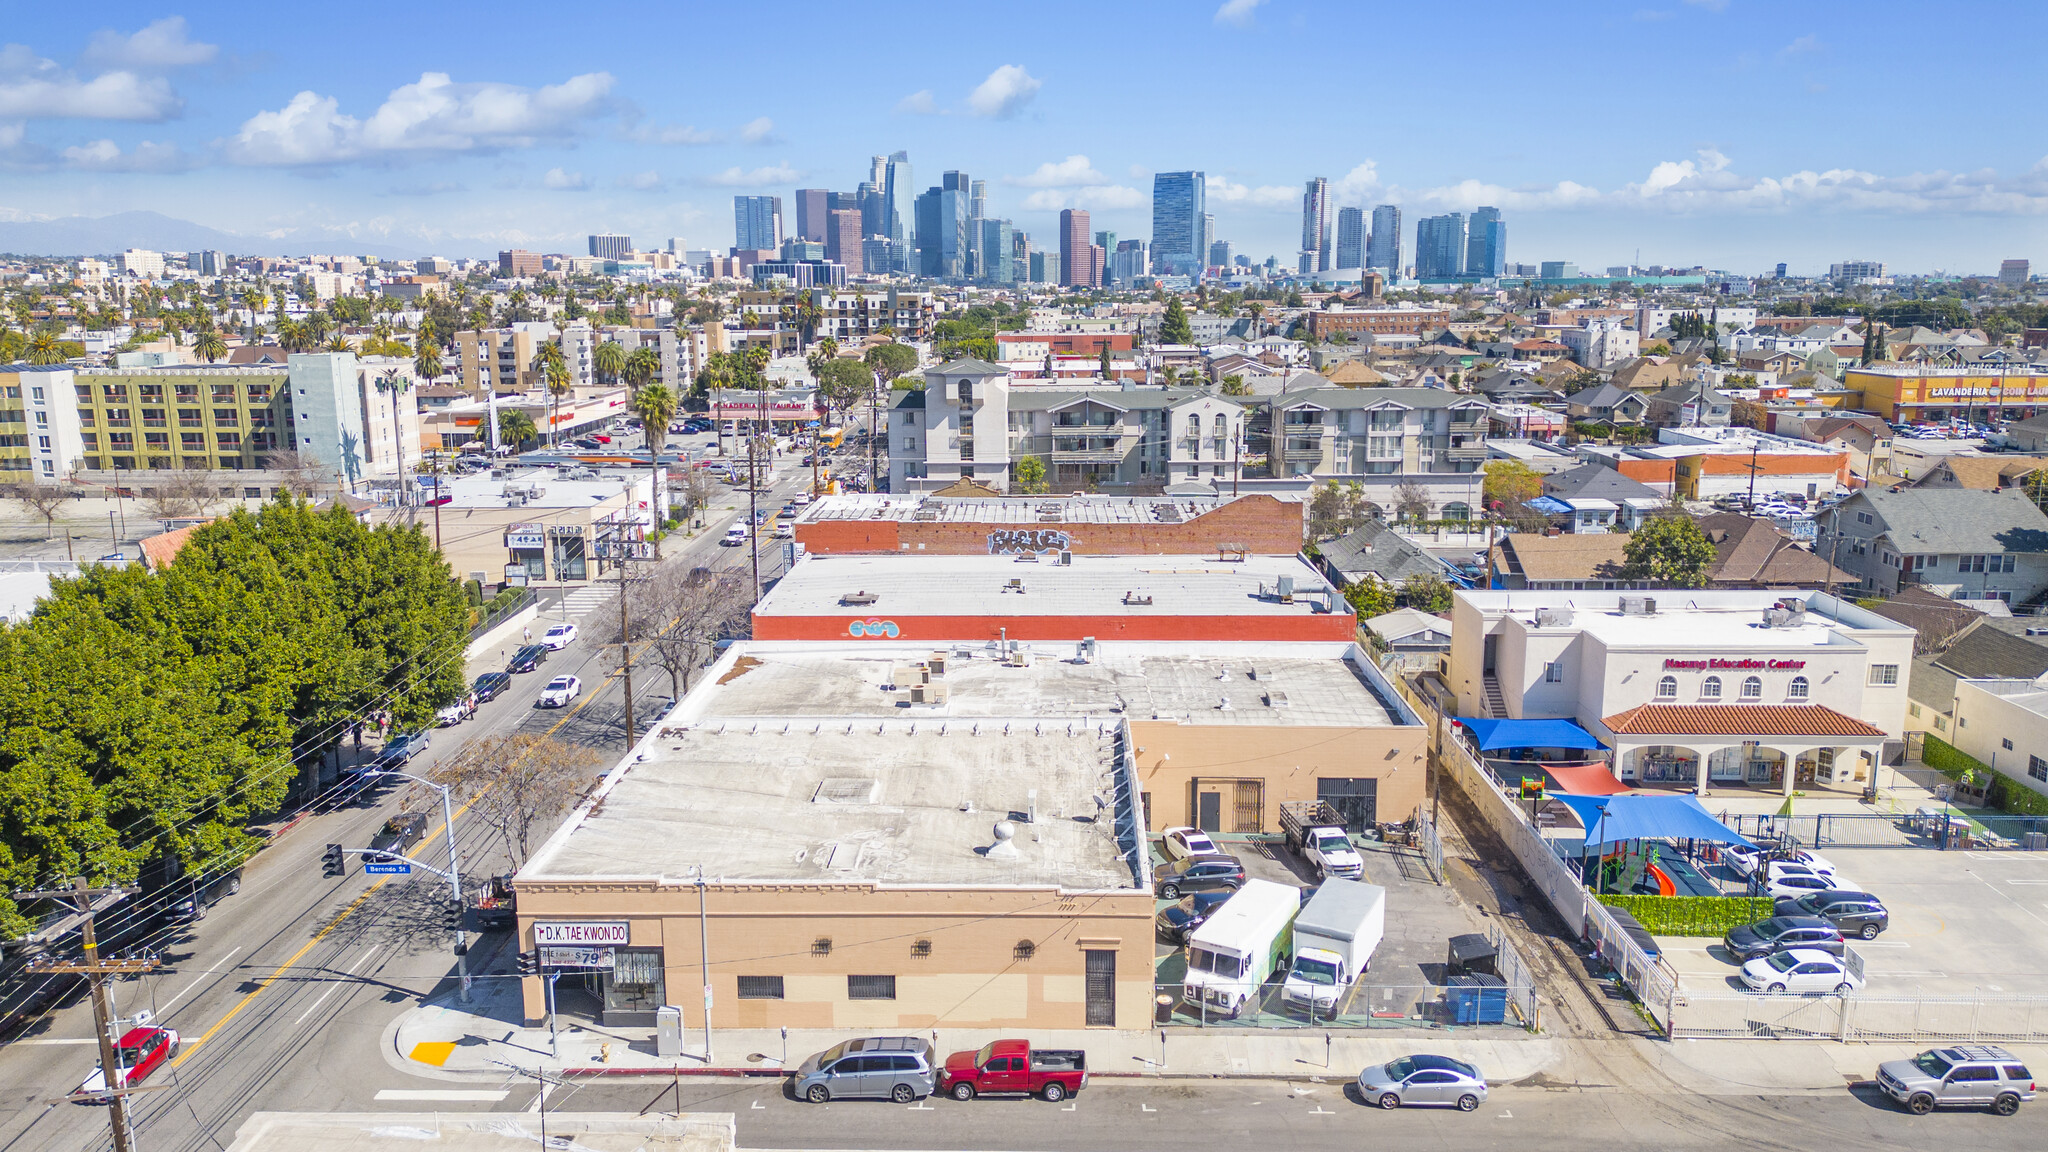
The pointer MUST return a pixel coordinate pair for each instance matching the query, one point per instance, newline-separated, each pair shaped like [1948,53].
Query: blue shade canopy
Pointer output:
[1493,734]
[1647,816]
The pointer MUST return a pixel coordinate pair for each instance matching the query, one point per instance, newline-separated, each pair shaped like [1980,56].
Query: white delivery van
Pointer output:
[1334,938]
[1242,943]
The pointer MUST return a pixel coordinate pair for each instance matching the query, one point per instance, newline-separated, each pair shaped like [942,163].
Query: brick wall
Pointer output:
[1262,525]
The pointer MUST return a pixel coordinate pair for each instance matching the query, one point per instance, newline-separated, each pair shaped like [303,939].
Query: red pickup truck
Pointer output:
[1012,1066]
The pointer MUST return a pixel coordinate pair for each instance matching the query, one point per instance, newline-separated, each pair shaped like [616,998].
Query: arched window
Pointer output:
[1753,688]
[1710,688]
[1667,688]
[1797,689]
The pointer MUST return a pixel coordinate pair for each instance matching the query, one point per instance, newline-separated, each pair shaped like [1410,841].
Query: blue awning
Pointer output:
[1646,816]
[1492,734]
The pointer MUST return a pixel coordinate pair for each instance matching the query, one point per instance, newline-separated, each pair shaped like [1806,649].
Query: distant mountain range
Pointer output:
[109,235]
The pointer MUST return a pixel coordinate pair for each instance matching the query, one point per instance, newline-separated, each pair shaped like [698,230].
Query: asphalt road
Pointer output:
[283,992]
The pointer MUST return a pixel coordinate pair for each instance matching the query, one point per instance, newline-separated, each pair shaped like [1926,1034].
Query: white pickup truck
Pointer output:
[1314,831]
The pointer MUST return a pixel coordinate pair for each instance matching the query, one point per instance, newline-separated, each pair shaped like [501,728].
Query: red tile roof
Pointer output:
[158,551]
[1736,720]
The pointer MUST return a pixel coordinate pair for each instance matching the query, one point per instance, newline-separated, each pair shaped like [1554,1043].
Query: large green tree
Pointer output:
[1670,550]
[1174,327]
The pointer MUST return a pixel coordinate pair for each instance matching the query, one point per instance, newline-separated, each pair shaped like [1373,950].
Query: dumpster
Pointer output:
[1471,954]
[1477,999]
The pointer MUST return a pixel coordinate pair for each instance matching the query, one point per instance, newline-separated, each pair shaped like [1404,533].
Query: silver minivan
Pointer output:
[899,1068]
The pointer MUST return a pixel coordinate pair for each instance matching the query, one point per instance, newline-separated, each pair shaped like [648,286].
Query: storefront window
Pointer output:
[634,984]
[569,558]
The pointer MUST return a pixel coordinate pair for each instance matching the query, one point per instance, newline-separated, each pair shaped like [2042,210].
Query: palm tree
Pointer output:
[210,347]
[339,343]
[394,386]
[559,385]
[252,299]
[610,360]
[655,404]
[641,367]
[293,336]
[426,356]
[515,427]
[43,348]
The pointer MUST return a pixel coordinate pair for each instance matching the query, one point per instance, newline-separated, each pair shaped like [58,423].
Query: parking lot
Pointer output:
[1407,973]
[1963,923]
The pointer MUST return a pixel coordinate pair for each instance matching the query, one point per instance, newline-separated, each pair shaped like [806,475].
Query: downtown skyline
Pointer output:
[459,137]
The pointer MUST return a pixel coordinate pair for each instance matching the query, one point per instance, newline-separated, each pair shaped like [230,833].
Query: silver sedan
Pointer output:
[1423,1080]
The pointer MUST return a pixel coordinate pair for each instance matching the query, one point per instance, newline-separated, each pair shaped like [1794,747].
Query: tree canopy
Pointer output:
[147,714]
[1670,550]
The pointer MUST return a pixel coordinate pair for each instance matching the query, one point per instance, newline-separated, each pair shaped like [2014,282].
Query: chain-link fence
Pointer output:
[1430,845]
[1918,1019]
[1936,827]
[1465,1004]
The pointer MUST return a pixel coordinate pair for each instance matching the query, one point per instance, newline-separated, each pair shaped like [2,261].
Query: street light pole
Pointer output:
[454,873]
[704,957]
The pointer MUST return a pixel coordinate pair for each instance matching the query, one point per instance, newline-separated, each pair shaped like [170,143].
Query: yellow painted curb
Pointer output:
[433,1052]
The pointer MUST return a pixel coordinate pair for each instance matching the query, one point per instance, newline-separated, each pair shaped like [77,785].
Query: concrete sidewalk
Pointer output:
[483,1037]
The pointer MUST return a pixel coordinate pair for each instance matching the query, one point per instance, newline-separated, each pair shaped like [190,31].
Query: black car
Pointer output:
[528,658]
[1779,933]
[1852,913]
[1217,873]
[400,833]
[490,684]
[1177,922]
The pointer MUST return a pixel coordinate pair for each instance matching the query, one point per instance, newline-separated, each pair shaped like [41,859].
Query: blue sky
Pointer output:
[1735,133]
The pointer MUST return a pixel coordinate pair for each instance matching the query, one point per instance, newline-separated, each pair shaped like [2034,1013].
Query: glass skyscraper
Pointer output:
[1383,248]
[1179,200]
[757,222]
[1441,243]
[1350,238]
[1486,245]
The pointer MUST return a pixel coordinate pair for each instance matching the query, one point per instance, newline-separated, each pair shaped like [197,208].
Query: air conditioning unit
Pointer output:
[1638,606]
[929,693]
[1553,617]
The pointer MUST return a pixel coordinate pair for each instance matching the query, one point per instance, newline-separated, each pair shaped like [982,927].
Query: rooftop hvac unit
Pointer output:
[1638,606]
[911,674]
[1066,558]
[936,662]
[929,693]
[1553,617]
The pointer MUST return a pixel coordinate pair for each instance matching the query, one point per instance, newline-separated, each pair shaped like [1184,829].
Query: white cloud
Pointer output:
[1006,91]
[754,178]
[1091,197]
[1073,172]
[918,103]
[159,47]
[1802,46]
[1268,196]
[649,181]
[1237,12]
[558,180]
[434,115]
[758,131]
[674,134]
[1354,186]
[33,88]
[147,156]
[1710,5]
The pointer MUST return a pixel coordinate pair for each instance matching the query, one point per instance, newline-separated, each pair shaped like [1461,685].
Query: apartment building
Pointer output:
[1406,321]
[501,358]
[970,423]
[849,317]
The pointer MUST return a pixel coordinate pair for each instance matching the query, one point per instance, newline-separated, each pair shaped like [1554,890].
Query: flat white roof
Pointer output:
[926,585]
[1022,511]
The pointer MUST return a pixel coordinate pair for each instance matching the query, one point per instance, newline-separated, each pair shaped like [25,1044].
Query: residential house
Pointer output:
[1866,439]
[2029,435]
[1750,552]
[1540,351]
[1416,638]
[1608,402]
[1687,405]
[1570,562]
[1986,473]
[1376,552]
[1961,542]
[1598,498]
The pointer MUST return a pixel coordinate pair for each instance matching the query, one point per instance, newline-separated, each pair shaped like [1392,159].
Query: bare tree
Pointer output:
[680,615]
[520,782]
[1411,501]
[42,499]
[297,473]
[184,495]
[696,492]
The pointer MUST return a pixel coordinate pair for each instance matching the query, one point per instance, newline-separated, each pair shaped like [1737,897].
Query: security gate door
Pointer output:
[1101,988]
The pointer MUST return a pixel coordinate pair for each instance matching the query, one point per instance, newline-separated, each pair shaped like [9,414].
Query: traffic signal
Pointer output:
[452,912]
[529,963]
[332,863]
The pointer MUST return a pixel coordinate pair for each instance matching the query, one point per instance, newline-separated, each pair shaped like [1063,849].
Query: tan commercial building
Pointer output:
[898,837]
[527,527]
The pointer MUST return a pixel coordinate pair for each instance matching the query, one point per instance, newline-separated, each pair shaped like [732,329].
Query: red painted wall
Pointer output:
[1261,524]
[1333,626]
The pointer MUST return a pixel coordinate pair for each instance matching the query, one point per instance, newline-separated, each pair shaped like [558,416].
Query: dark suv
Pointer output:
[528,658]
[1853,913]
[1755,941]
[1218,873]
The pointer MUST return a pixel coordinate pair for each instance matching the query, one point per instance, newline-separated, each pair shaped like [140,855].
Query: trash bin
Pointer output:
[1485,999]
[1471,954]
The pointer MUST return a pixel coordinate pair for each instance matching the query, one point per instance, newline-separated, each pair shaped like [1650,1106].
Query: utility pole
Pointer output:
[1753,450]
[96,972]
[875,434]
[626,636]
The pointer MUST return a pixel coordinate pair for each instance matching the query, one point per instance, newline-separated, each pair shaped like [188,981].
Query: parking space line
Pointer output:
[451,1095]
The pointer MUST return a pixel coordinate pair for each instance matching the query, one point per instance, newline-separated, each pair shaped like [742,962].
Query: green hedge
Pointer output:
[2005,794]
[1693,915]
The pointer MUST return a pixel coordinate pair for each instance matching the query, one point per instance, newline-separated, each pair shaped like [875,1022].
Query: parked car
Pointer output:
[455,713]
[489,685]
[1752,941]
[899,1068]
[1181,843]
[139,1052]
[400,833]
[528,658]
[1965,1076]
[558,636]
[786,512]
[1798,880]
[398,750]
[783,531]
[1852,913]
[1218,873]
[1423,1080]
[1014,1067]
[801,499]
[1178,921]
[560,692]
[1800,970]
[735,537]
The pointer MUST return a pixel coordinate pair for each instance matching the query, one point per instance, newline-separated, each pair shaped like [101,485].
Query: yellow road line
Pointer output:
[193,1045]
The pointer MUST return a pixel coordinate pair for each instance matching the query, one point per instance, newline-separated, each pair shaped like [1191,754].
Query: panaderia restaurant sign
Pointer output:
[1733,665]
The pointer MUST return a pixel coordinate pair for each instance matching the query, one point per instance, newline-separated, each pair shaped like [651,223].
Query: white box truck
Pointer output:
[1239,947]
[1334,938]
